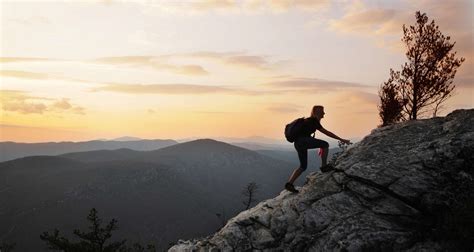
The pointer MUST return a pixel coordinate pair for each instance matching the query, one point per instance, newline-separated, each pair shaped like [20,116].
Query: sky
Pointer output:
[83,70]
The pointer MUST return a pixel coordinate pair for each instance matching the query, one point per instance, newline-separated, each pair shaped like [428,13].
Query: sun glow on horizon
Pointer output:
[83,70]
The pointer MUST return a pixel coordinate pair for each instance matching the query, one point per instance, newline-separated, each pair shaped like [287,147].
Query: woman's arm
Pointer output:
[330,134]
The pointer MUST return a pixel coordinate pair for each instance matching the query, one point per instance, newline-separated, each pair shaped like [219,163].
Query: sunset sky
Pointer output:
[83,70]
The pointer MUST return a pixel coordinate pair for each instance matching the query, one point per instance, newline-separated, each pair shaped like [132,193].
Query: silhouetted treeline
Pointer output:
[96,239]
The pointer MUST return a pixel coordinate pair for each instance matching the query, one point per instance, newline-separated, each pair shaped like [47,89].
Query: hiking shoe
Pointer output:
[290,187]
[326,168]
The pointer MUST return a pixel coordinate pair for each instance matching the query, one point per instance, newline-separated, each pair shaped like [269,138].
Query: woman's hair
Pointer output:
[316,108]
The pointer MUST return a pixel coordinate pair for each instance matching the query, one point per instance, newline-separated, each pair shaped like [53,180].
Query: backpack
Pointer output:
[293,129]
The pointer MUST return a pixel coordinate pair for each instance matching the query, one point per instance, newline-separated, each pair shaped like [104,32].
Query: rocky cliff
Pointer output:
[407,186]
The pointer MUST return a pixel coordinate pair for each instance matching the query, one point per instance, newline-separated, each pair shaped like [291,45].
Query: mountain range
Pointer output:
[157,196]
[12,150]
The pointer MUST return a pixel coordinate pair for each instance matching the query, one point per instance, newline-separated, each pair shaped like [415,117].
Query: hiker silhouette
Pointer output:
[304,141]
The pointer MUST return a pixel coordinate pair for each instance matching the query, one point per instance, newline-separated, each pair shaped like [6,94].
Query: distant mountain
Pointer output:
[104,155]
[157,196]
[12,150]
[126,139]
[263,146]
[263,143]
[291,156]
[254,139]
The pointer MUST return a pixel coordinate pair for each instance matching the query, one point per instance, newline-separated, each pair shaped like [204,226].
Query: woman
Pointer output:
[305,141]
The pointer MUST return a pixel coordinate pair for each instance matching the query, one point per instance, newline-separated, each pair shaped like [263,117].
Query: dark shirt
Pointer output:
[310,125]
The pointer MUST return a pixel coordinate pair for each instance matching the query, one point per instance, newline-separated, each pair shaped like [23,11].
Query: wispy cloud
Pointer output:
[227,58]
[261,62]
[312,84]
[247,61]
[358,97]
[384,26]
[206,5]
[24,75]
[168,62]
[172,89]
[24,59]
[157,63]
[359,18]
[306,5]
[284,108]
[367,21]
[37,76]
[277,87]
[154,62]
[197,7]
[22,102]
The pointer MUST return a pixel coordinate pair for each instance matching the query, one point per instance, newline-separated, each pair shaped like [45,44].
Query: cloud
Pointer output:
[78,110]
[36,76]
[284,108]
[362,97]
[366,21]
[165,62]
[157,63]
[306,5]
[207,54]
[62,104]
[247,61]
[355,101]
[260,62]
[13,126]
[191,70]
[154,62]
[161,62]
[197,7]
[384,26]
[194,7]
[360,18]
[24,107]
[20,59]
[18,101]
[454,18]
[23,75]
[312,84]
[173,89]
[21,102]
[206,5]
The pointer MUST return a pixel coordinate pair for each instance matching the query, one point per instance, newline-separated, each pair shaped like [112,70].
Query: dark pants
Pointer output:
[302,144]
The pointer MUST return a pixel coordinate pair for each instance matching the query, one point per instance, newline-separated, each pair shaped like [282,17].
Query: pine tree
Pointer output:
[426,80]
[95,240]
[391,104]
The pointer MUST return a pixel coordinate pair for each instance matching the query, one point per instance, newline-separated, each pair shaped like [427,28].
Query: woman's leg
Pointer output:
[303,157]
[318,143]
[296,173]
[324,156]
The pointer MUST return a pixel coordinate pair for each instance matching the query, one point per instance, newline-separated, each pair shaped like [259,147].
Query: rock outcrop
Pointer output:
[407,186]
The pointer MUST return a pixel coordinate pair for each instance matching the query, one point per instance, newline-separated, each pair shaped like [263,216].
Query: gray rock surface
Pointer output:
[391,191]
